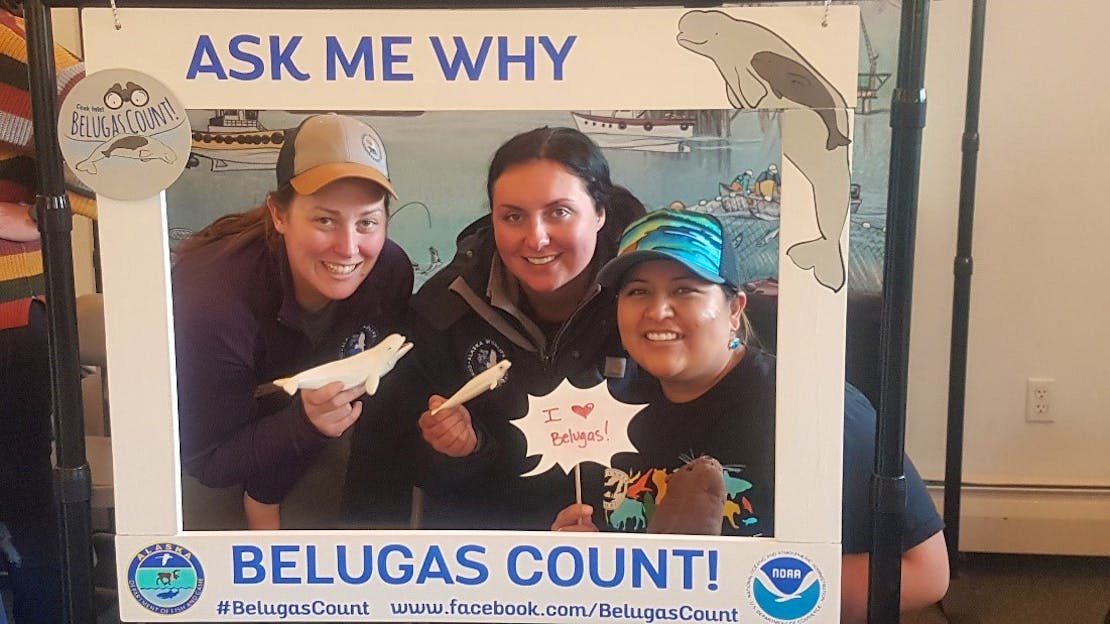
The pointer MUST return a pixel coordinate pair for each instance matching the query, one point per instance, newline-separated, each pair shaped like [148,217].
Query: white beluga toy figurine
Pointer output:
[366,368]
[478,384]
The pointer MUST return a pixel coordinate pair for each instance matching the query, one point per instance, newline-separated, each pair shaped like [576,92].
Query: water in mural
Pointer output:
[723,161]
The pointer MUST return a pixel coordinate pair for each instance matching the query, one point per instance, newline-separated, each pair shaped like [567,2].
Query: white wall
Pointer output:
[1042,273]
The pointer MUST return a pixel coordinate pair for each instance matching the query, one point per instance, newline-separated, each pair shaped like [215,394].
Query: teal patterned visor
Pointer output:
[694,239]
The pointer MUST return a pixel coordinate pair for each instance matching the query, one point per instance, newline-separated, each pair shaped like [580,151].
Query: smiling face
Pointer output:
[677,327]
[545,225]
[332,238]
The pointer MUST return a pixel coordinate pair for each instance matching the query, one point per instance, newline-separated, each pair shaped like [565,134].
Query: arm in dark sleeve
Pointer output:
[920,521]
[378,482]
[430,372]
[224,439]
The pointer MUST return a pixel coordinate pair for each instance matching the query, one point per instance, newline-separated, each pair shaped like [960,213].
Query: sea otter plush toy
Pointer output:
[695,500]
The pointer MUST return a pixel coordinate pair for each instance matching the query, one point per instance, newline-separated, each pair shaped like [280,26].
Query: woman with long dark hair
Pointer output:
[522,287]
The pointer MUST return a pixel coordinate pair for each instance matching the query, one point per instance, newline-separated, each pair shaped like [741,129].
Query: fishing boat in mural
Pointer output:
[637,123]
[674,131]
[755,206]
[236,141]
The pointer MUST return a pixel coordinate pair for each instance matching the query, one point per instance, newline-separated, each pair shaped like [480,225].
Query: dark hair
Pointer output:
[582,157]
[15,7]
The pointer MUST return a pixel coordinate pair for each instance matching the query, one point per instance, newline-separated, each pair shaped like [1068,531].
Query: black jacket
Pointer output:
[458,331]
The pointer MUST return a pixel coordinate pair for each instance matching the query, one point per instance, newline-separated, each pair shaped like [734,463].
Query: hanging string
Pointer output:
[115,14]
[824,20]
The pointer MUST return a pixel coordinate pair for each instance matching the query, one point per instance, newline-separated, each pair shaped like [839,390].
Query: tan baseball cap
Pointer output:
[325,148]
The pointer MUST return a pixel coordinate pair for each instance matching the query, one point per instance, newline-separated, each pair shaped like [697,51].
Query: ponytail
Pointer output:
[621,209]
[245,227]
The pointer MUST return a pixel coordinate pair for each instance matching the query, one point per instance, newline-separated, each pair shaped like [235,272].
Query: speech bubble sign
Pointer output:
[572,425]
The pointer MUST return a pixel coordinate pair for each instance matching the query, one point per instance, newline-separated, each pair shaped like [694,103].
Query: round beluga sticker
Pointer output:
[123,134]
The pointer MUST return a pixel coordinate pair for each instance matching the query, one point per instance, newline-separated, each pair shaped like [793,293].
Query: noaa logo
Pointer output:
[165,578]
[370,144]
[786,587]
[482,355]
[366,337]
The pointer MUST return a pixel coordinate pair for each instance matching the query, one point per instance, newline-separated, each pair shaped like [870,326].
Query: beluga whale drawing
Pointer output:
[132,146]
[761,70]
[366,368]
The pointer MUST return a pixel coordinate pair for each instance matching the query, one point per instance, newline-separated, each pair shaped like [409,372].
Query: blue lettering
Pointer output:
[391,58]
[277,551]
[405,568]
[237,53]
[576,568]
[558,57]
[283,57]
[595,573]
[641,564]
[462,59]
[367,566]
[205,51]
[247,566]
[364,55]
[528,58]
[470,564]
[515,554]
[434,567]
[310,552]
[688,557]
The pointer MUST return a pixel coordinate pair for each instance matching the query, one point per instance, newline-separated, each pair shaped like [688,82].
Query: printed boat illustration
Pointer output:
[757,207]
[236,141]
[637,123]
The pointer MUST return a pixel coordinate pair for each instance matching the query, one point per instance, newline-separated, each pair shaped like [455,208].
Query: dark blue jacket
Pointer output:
[457,331]
[238,327]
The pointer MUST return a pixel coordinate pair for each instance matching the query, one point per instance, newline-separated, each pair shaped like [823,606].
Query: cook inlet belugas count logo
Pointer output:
[165,578]
[786,587]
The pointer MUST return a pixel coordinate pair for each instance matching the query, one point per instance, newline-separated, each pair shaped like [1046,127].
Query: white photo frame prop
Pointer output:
[581,59]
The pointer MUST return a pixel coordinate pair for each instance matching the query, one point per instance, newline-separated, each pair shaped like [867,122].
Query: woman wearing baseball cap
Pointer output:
[680,310]
[306,278]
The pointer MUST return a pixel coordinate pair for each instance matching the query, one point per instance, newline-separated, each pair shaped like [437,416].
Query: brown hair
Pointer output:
[246,227]
[251,225]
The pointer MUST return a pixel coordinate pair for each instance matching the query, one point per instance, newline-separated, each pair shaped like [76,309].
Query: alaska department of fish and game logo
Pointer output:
[165,578]
[366,337]
[482,355]
[786,587]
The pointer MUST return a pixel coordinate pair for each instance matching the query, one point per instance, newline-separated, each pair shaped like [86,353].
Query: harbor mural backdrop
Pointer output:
[722,161]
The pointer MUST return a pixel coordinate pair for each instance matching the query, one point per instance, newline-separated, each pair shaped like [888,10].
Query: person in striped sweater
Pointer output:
[26,502]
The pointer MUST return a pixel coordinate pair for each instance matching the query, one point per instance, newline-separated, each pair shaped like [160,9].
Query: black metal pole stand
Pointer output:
[907,118]
[72,481]
[961,293]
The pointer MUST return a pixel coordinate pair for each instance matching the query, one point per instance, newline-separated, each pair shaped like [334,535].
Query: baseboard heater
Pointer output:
[1032,519]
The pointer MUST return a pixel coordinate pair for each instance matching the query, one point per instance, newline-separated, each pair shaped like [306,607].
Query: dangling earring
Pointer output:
[734,344]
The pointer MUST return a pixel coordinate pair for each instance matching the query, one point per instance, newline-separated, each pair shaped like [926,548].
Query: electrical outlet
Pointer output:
[1039,400]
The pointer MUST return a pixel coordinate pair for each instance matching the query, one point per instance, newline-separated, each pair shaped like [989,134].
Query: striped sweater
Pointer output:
[21,277]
